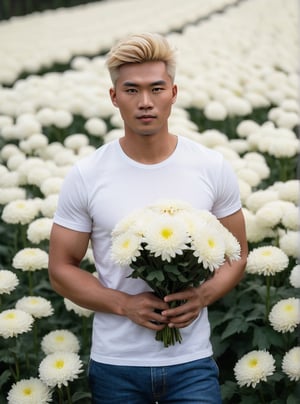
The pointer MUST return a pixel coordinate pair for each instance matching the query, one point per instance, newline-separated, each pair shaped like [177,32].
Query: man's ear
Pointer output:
[112,93]
[174,91]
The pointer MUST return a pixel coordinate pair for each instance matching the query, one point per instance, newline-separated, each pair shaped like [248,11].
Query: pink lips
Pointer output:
[146,118]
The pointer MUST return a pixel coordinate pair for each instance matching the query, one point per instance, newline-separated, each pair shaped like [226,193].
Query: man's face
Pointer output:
[144,94]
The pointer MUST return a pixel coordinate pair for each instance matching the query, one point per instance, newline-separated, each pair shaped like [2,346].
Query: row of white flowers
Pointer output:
[30,43]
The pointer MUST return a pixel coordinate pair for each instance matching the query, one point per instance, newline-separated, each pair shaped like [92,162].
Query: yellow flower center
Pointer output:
[21,205]
[10,316]
[253,363]
[289,307]
[27,391]
[211,243]
[59,338]
[126,244]
[33,301]
[59,364]
[30,252]
[166,233]
[266,253]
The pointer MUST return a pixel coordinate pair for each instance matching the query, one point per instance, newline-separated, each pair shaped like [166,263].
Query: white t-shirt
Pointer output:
[106,186]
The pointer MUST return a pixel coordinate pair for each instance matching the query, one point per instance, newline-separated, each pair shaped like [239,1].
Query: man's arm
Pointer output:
[225,279]
[67,249]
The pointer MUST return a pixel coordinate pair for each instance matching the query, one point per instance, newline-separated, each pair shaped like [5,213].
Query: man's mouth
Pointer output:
[146,118]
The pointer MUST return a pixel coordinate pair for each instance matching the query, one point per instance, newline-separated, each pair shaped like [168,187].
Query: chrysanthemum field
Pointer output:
[238,78]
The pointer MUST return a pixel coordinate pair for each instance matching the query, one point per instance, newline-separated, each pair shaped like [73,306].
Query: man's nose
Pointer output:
[145,100]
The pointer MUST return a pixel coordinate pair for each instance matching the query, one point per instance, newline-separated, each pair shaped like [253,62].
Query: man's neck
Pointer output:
[149,149]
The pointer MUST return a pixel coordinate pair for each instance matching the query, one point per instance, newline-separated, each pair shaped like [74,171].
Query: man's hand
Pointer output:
[144,309]
[187,312]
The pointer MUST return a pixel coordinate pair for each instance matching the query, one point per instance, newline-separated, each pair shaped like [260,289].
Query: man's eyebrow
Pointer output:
[155,83]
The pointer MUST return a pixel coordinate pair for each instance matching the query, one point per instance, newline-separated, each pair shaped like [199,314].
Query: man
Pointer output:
[148,163]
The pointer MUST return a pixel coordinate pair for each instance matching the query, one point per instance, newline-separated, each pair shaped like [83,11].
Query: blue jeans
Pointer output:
[187,383]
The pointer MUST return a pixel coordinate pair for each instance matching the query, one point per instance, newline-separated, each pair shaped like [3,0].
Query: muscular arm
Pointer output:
[67,249]
[225,279]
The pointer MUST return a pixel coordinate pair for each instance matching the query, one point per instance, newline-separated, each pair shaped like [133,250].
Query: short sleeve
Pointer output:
[72,209]
[228,199]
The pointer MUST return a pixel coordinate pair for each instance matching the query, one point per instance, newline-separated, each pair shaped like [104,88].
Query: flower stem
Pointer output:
[60,395]
[268,288]
[69,394]
[30,283]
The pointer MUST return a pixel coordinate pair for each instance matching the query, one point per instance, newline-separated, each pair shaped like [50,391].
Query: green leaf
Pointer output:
[292,399]
[155,275]
[260,338]
[235,326]
[228,389]
[80,396]
[4,377]
[173,269]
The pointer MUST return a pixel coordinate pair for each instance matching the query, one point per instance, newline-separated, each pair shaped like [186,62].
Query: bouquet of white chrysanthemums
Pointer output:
[172,246]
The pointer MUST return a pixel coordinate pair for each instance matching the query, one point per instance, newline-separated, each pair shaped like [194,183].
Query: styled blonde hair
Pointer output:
[140,48]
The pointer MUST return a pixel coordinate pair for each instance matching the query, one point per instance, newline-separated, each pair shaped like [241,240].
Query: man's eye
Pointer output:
[131,90]
[157,89]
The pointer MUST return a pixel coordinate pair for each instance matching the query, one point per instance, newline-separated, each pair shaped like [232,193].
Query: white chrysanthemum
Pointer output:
[285,315]
[49,205]
[76,141]
[170,206]
[209,246]
[289,243]
[31,391]
[37,306]
[295,276]
[30,259]
[15,161]
[237,106]
[129,223]
[266,260]
[60,341]
[9,179]
[283,148]
[253,368]
[36,177]
[37,141]
[20,211]
[248,175]
[10,194]
[212,138]
[45,116]
[259,198]
[62,118]
[271,213]
[291,364]
[289,190]
[126,248]
[246,128]
[261,168]
[232,246]
[215,111]
[96,126]
[51,185]
[80,311]
[290,217]
[39,230]
[60,368]
[254,231]
[245,190]
[14,322]
[166,237]
[8,281]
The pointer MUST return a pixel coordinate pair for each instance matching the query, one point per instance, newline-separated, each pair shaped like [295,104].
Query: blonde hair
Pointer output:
[140,48]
